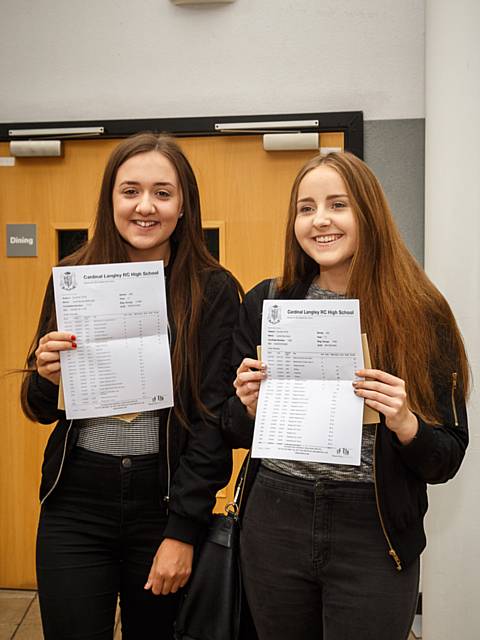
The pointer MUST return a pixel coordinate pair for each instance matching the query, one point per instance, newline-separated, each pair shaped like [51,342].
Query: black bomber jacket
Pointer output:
[198,458]
[401,472]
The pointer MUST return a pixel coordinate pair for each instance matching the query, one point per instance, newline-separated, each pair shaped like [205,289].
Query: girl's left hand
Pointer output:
[171,567]
[387,394]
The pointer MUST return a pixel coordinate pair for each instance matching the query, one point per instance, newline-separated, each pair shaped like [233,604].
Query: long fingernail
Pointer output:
[73,338]
[74,345]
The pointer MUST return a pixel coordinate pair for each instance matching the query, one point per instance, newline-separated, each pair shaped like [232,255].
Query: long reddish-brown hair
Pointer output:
[192,261]
[411,330]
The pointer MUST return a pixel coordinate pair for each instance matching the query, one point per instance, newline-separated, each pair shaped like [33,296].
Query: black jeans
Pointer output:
[97,536]
[315,563]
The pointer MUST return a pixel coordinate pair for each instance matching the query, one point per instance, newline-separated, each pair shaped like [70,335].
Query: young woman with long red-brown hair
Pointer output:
[332,551]
[124,504]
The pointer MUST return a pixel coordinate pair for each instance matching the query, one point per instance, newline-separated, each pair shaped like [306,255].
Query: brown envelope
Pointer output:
[370,416]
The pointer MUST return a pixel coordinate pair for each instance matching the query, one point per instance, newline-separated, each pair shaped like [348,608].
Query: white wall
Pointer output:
[100,59]
[451,582]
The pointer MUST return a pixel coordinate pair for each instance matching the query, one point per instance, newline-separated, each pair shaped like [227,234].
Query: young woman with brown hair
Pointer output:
[332,551]
[123,505]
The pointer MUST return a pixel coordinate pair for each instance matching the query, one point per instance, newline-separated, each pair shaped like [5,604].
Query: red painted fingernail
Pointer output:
[74,345]
[72,338]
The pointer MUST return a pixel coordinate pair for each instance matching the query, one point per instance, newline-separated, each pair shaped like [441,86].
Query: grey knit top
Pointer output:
[119,438]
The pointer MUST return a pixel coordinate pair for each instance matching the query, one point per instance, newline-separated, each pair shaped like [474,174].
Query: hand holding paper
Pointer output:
[387,393]
[247,383]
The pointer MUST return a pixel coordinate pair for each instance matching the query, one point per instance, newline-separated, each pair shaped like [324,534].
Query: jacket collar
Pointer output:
[300,289]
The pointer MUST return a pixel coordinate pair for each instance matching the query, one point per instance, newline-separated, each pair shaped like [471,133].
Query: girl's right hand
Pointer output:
[48,353]
[247,383]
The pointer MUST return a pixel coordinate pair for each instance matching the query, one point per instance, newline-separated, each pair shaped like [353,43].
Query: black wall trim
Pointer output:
[350,122]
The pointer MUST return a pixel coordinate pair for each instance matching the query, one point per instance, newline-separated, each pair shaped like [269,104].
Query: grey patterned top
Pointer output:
[319,470]
[119,438]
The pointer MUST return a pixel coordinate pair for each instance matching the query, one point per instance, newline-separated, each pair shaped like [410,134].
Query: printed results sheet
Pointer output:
[118,314]
[307,409]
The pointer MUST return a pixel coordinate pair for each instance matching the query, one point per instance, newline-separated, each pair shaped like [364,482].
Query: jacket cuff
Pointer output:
[46,388]
[414,451]
[237,425]
[42,397]
[184,529]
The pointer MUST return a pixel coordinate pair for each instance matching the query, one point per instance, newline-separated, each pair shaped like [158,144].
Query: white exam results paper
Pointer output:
[118,313]
[307,409]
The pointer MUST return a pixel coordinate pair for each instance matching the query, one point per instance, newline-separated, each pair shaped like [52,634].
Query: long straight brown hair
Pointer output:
[191,264]
[411,330]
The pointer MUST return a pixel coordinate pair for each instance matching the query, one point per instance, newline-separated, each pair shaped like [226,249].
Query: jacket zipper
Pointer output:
[61,464]
[166,498]
[391,551]
[454,388]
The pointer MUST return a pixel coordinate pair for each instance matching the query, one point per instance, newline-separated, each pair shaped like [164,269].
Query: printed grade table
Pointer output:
[122,362]
[111,369]
[307,409]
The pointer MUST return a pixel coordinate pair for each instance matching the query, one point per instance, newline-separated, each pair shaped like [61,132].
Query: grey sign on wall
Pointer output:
[21,240]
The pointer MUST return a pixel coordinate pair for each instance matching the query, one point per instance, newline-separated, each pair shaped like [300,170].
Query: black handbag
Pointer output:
[212,605]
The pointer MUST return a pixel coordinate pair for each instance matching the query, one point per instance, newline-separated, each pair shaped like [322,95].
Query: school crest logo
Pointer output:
[274,314]
[68,281]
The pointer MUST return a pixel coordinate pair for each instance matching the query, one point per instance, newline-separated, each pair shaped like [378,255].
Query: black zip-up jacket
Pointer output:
[198,457]
[401,472]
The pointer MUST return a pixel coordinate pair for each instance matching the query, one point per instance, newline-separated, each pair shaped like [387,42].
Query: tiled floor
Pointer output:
[20,617]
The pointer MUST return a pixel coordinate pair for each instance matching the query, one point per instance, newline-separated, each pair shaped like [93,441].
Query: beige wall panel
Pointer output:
[49,192]
[242,186]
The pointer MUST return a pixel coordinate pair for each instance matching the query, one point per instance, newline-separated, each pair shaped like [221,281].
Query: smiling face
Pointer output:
[325,225]
[147,202]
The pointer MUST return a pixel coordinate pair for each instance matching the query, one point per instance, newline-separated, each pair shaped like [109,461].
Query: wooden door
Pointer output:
[245,193]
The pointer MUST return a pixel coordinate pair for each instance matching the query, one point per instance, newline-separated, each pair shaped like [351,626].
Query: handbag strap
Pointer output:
[272,289]
[234,507]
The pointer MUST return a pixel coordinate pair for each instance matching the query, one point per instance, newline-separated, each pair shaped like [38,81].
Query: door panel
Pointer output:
[244,192]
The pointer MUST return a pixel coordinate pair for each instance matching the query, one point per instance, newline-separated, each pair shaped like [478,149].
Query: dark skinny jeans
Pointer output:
[97,536]
[315,563]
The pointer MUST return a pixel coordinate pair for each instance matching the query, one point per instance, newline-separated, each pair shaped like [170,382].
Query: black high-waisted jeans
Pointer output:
[315,563]
[97,537]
